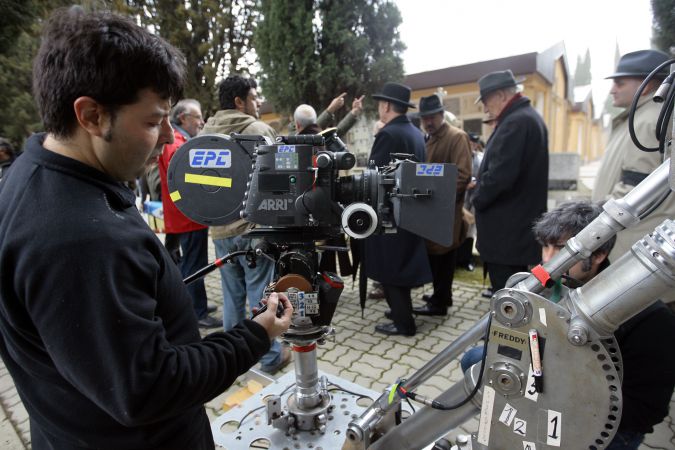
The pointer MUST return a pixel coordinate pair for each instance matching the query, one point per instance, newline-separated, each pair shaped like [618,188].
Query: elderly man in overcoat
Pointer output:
[623,164]
[398,261]
[513,179]
[444,144]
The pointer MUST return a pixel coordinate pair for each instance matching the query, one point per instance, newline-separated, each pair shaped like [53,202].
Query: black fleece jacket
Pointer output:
[96,326]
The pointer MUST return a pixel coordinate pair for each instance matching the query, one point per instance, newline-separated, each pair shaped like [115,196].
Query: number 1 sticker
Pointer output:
[554,428]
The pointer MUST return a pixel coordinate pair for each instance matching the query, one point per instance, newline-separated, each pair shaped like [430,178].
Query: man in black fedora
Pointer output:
[512,183]
[444,144]
[623,164]
[398,261]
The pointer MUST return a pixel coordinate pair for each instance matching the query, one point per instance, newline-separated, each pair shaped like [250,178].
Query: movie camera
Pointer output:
[293,191]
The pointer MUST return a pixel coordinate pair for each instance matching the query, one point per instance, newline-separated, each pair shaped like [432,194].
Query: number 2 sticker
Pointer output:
[520,426]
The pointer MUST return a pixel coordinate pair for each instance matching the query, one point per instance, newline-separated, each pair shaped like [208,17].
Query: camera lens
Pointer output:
[359,221]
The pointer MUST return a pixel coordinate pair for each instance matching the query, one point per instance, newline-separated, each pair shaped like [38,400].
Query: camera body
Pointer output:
[296,183]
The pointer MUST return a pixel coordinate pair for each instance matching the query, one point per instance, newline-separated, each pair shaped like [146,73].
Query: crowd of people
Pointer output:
[123,312]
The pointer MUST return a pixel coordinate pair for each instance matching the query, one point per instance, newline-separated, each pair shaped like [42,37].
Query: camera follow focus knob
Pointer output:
[359,220]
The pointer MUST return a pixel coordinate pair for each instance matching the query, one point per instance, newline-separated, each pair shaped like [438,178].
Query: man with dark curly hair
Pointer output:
[97,328]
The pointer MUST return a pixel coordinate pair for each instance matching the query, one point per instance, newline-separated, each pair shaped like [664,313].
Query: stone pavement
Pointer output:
[358,355]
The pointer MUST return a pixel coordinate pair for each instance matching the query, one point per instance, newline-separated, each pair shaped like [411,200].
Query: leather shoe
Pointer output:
[286,358]
[391,330]
[487,293]
[376,294]
[427,298]
[209,322]
[428,310]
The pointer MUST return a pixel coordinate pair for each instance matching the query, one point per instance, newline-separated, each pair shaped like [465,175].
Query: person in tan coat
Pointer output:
[444,144]
[623,164]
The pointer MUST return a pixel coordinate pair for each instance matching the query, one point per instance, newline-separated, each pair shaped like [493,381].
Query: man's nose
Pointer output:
[166,135]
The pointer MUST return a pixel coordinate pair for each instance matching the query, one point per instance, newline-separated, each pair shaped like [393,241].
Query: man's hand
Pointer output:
[337,103]
[275,325]
[357,105]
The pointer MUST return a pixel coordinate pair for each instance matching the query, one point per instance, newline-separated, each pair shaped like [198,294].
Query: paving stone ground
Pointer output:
[357,354]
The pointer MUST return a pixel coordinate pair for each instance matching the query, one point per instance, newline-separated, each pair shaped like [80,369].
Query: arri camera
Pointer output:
[293,186]
[292,190]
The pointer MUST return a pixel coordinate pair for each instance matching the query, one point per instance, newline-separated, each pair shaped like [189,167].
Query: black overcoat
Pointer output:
[512,187]
[398,259]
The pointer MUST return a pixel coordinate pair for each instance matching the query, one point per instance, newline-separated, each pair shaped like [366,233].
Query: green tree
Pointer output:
[582,73]
[663,24]
[19,41]
[311,50]
[214,35]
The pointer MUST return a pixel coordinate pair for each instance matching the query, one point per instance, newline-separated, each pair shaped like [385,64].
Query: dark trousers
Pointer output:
[465,253]
[400,303]
[499,273]
[443,272]
[194,245]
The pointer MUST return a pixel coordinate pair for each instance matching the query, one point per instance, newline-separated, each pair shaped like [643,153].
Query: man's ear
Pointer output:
[91,115]
[239,103]
[651,87]
[599,257]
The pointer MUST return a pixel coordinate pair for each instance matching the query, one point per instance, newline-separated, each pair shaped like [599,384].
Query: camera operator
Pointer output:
[97,328]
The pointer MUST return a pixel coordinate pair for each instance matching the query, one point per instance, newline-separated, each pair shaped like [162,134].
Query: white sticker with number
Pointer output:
[520,426]
[529,446]
[508,413]
[530,391]
[486,415]
[554,428]
[311,302]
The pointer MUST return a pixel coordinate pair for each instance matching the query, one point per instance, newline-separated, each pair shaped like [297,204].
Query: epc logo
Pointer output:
[210,158]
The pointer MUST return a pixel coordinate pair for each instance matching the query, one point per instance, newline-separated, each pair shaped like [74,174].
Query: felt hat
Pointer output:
[496,80]
[430,105]
[640,64]
[395,93]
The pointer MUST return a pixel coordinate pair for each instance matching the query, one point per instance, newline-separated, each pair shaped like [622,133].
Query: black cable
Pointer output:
[633,107]
[438,405]
[248,414]
[340,388]
[666,110]
[662,128]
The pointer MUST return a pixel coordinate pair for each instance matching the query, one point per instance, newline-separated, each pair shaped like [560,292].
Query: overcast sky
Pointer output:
[444,33]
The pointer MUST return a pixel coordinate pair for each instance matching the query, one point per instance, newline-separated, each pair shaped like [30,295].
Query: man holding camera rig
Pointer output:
[103,346]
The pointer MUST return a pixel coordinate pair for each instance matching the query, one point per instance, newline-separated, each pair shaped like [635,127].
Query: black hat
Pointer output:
[395,93]
[430,105]
[496,80]
[640,64]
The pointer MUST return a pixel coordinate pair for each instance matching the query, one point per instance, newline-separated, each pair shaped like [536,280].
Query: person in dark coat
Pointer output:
[398,261]
[512,182]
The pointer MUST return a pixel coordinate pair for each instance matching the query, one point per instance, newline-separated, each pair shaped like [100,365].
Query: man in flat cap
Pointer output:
[512,183]
[444,144]
[398,261]
[624,165]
